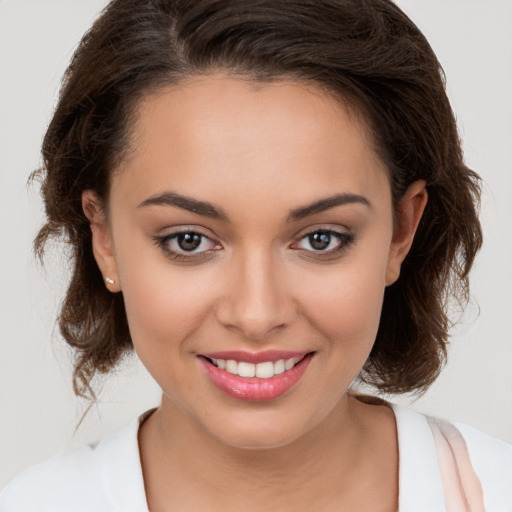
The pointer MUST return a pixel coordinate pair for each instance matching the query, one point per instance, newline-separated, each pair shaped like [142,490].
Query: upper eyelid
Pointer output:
[342,231]
[336,234]
[173,232]
[180,255]
[344,236]
[176,231]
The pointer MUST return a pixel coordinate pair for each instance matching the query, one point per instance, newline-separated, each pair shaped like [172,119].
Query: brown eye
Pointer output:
[187,245]
[320,241]
[324,242]
[189,241]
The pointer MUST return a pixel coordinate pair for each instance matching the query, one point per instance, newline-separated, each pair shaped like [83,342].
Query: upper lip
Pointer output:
[254,357]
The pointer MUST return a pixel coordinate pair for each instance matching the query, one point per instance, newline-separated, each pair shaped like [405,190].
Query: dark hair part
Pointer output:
[366,52]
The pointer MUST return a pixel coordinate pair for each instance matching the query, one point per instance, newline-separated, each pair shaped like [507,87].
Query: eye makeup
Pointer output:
[190,245]
[187,246]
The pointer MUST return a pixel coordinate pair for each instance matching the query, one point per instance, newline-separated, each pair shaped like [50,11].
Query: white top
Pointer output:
[108,477]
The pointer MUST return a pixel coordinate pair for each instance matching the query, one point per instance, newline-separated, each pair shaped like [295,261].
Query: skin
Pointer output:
[256,152]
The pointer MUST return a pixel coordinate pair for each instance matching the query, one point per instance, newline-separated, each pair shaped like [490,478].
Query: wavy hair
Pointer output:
[367,53]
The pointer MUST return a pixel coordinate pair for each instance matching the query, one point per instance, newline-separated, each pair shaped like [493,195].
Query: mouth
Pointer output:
[263,370]
[266,377]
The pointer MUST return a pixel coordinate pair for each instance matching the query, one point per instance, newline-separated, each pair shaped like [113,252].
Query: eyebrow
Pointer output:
[209,210]
[326,204]
[186,203]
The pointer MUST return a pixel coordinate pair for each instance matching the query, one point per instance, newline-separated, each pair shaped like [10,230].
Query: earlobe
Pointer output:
[408,215]
[102,246]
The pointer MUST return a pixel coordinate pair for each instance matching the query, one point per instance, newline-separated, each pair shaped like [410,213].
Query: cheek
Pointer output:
[346,304]
[164,304]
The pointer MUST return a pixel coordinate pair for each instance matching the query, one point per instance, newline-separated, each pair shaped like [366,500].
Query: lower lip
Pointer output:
[252,388]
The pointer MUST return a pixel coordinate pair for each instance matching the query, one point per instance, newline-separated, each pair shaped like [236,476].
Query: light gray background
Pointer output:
[38,412]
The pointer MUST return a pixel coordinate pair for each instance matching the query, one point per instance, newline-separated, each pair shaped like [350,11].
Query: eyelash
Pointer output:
[344,241]
[186,256]
[163,242]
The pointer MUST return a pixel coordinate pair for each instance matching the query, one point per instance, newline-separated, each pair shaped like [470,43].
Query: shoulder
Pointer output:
[492,461]
[107,476]
[490,458]
[73,475]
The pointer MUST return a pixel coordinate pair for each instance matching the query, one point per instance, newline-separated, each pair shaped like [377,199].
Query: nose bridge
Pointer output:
[257,302]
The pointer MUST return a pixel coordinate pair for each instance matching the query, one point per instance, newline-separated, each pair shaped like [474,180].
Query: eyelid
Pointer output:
[326,228]
[173,231]
[346,238]
[162,241]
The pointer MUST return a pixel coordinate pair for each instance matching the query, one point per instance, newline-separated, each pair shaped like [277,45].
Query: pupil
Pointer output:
[320,240]
[189,241]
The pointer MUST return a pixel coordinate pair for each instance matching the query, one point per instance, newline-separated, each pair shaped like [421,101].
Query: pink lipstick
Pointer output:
[255,376]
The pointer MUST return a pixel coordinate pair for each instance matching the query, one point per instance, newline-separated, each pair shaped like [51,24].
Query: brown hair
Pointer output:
[366,52]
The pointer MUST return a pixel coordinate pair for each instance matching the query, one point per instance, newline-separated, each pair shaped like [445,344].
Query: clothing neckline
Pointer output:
[419,481]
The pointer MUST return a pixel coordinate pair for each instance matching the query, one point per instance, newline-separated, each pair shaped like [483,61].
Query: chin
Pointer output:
[261,430]
[260,440]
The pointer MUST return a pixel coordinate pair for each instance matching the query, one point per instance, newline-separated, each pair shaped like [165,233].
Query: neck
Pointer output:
[322,467]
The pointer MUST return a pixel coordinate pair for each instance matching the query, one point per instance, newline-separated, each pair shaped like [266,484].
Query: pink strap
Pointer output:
[462,488]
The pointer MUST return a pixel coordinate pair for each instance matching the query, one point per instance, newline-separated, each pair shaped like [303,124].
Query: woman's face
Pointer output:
[251,230]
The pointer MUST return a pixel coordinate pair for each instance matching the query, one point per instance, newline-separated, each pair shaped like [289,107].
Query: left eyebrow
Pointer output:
[326,204]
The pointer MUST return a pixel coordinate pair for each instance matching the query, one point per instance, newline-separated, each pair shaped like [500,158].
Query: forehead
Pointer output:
[283,135]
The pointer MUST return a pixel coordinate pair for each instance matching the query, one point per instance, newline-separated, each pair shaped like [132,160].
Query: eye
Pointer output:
[188,242]
[324,241]
[187,245]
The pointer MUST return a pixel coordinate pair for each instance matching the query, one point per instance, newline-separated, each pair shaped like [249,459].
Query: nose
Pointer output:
[257,302]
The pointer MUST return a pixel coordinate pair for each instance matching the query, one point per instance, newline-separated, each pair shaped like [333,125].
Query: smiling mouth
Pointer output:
[255,377]
[263,370]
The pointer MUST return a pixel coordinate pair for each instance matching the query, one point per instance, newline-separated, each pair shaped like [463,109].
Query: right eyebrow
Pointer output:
[186,203]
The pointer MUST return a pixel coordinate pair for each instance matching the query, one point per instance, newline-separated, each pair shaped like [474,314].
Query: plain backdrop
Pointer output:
[38,412]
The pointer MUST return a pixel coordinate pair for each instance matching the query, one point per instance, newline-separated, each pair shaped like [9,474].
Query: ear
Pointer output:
[102,246]
[408,215]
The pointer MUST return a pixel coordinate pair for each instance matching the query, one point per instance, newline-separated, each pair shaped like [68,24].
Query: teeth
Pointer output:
[246,369]
[289,364]
[232,367]
[279,367]
[264,370]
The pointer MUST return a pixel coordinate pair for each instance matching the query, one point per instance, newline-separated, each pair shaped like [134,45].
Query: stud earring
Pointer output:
[109,281]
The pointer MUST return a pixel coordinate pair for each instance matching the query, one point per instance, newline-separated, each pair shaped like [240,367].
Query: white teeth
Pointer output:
[264,370]
[246,369]
[279,367]
[289,364]
[232,367]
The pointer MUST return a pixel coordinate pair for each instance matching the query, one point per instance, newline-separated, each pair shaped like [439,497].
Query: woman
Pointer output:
[266,202]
